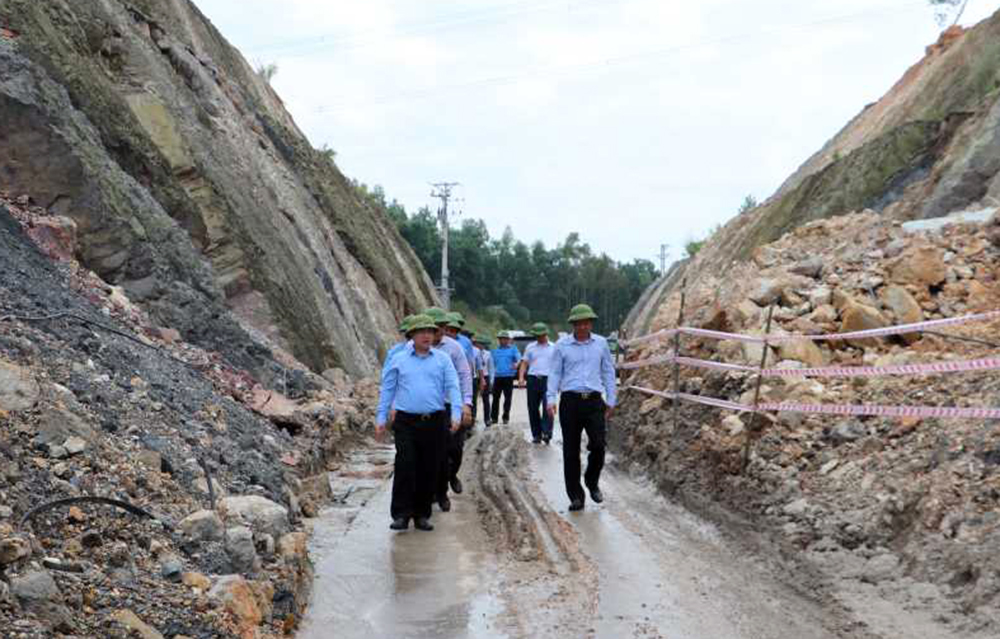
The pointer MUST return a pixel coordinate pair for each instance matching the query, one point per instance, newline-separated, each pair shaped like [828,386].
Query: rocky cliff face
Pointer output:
[930,146]
[191,186]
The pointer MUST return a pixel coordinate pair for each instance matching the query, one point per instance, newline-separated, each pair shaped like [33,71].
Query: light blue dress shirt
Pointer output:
[539,358]
[505,360]
[582,367]
[419,384]
[398,348]
[470,350]
[454,350]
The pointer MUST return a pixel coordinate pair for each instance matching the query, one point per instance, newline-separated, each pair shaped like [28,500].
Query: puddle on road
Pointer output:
[374,583]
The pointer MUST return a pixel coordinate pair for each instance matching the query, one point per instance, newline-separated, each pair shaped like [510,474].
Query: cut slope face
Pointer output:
[191,185]
[930,146]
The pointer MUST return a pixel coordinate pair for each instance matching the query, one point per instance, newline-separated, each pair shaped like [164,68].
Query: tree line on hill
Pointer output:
[511,283]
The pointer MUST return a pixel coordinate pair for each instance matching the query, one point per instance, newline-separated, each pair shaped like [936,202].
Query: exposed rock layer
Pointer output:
[191,185]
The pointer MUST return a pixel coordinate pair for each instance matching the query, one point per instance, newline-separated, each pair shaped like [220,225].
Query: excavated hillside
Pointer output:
[930,146]
[192,188]
[893,222]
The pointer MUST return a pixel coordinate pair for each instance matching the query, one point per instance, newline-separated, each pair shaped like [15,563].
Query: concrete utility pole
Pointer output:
[663,258]
[442,190]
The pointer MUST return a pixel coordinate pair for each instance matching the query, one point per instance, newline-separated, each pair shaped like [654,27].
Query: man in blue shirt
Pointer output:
[418,384]
[505,360]
[581,370]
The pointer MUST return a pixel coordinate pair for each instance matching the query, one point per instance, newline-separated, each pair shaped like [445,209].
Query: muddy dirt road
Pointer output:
[509,560]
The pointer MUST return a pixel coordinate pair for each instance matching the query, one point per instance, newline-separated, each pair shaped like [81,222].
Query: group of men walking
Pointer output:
[431,382]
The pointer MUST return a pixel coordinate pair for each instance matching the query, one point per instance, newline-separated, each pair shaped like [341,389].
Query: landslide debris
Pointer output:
[99,403]
[906,510]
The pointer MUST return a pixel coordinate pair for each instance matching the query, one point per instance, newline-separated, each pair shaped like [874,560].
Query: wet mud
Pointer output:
[510,560]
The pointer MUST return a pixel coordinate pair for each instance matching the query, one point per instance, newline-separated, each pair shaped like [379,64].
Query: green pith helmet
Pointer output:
[437,315]
[479,339]
[453,320]
[503,335]
[404,326]
[459,316]
[419,322]
[539,328]
[581,312]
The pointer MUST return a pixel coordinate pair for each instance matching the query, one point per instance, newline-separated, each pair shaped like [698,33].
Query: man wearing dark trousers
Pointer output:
[581,370]
[489,373]
[419,383]
[535,369]
[505,360]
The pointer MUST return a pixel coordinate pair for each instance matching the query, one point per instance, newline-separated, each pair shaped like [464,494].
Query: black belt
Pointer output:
[588,395]
[421,417]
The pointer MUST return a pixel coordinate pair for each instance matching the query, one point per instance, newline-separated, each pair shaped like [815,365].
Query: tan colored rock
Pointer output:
[825,314]
[292,546]
[14,549]
[197,581]
[802,350]
[18,388]
[767,291]
[132,622]
[904,307]
[234,594]
[258,512]
[922,265]
[979,298]
[860,317]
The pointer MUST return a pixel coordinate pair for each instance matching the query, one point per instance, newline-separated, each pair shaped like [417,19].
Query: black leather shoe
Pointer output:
[445,505]
[547,440]
[536,441]
[576,504]
[596,496]
[401,523]
[422,523]
[456,485]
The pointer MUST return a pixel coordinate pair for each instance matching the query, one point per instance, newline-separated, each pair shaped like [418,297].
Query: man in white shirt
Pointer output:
[488,371]
[536,364]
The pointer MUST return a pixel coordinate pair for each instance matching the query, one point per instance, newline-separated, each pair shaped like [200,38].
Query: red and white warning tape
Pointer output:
[834,409]
[900,329]
[986,364]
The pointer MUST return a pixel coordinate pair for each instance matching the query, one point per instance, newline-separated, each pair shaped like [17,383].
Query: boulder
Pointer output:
[923,265]
[293,546]
[234,594]
[767,291]
[197,581]
[810,267]
[258,512]
[203,525]
[802,350]
[240,549]
[13,549]
[37,592]
[860,317]
[18,388]
[904,307]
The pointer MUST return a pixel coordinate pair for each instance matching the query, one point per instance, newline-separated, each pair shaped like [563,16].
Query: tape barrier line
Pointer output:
[835,409]
[900,329]
[697,399]
[986,364]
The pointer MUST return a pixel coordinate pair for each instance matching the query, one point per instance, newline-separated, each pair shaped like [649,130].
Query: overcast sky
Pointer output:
[633,122]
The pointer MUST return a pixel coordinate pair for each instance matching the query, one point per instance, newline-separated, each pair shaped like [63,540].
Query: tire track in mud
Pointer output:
[547,583]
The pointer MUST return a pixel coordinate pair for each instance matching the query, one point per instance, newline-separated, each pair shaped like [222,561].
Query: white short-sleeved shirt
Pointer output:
[539,358]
